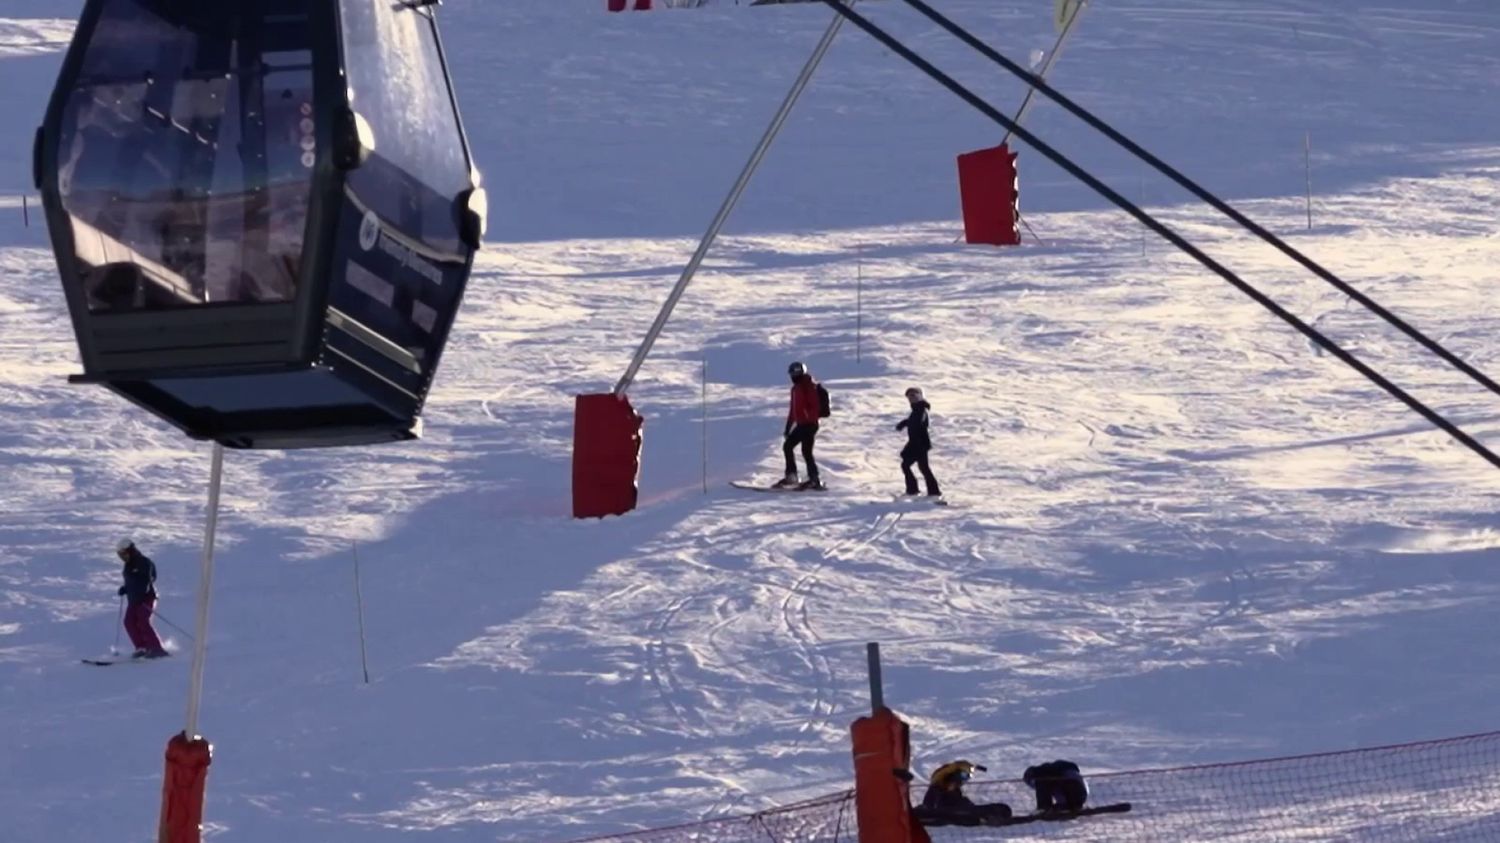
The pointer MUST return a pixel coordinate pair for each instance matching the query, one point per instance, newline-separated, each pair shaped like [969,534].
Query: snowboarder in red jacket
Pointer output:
[139,592]
[801,428]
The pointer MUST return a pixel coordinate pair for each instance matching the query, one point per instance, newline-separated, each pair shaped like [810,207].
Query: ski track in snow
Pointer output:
[1183,533]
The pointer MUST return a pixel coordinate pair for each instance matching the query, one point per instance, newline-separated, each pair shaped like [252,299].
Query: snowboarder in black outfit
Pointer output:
[139,592]
[1059,786]
[918,444]
[801,428]
[945,802]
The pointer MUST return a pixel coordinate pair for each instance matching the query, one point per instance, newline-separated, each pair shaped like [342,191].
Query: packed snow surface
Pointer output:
[1180,533]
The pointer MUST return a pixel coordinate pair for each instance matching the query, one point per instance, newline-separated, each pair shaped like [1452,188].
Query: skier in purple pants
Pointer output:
[139,592]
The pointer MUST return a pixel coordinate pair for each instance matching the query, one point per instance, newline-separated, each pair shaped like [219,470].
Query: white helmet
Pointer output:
[124,545]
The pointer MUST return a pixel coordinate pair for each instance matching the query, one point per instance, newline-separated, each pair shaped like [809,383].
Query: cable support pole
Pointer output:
[1164,231]
[1192,187]
[730,201]
[205,590]
[1062,38]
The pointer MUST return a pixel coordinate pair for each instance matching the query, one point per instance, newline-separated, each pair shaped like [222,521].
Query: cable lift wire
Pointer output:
[1038,83]
[1171,236]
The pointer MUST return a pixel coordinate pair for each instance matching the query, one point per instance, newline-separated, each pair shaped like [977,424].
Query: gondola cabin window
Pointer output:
[186,155]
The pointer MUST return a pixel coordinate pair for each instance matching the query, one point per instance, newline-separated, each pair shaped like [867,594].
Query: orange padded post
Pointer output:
[182,789]
[990,193]
[606,455]
[882,800]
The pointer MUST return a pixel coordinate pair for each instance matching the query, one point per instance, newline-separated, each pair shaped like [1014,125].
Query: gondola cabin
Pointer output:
[264,213]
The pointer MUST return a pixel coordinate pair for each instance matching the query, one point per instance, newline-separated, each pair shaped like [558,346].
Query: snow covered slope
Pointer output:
[1184,534]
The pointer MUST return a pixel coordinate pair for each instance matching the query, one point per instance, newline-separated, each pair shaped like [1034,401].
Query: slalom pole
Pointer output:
[114,649]
[1307,163]
[359,604]
[730,201]
[705,422]
[859,304]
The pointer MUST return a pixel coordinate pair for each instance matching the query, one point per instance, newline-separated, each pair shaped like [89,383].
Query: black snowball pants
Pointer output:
[919,458]
[804,435]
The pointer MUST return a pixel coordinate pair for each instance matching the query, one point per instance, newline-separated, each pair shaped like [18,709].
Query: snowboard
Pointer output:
[921,500]
[1059,816]
[767,487]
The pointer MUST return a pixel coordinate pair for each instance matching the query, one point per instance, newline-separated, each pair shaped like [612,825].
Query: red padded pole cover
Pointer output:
[990,193]
[182,789]
[606,455]
[882,800]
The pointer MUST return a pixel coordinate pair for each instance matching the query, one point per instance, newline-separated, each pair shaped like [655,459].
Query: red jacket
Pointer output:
[804,401]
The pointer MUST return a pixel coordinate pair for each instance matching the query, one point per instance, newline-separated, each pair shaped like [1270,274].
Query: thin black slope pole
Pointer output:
[1165,232]
[1040,84]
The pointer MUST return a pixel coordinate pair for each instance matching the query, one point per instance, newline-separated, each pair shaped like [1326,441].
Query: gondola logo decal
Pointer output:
[369,231]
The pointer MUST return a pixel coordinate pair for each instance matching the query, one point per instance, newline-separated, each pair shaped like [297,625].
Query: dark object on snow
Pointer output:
[945,802]
[264,213]
[918,444]
[1059,786]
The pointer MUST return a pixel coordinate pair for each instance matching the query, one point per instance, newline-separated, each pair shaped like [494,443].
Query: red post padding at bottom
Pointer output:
[882,799]
[182,789]
[606,455]
[990,193]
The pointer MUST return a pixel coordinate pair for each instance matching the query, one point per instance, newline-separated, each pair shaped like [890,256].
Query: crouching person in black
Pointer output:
[946,804]
[1059,786]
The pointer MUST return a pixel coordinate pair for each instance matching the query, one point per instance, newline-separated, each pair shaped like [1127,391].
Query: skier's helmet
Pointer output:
[915,394]
[124,545]
[797,369]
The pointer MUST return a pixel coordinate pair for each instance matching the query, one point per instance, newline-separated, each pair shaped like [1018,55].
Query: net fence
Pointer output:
[1444,790]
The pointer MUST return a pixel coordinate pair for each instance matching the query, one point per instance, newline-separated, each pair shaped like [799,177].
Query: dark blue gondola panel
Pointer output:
[406,231]
[264,212]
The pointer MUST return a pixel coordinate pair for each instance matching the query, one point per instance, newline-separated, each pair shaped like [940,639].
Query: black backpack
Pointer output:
[825,406]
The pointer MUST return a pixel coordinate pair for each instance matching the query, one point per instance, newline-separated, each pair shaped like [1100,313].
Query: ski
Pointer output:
[105,662]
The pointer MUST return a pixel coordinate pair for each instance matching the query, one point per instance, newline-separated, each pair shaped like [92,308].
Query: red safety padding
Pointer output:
[182,789]
[606,455]
[882,797]
[988,187]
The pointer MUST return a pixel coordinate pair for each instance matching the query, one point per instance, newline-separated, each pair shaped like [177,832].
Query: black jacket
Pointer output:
[915,425]
[140,578]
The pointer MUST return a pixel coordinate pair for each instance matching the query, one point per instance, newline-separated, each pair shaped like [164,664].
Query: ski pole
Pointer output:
[114,649]
[164,619]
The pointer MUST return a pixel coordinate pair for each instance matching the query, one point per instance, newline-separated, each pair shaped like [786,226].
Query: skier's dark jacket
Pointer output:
[1059,785]
[140,578]
[915,425]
